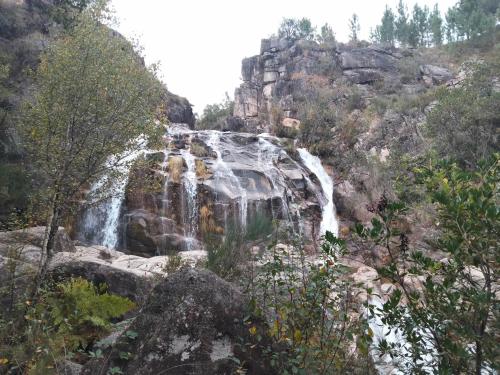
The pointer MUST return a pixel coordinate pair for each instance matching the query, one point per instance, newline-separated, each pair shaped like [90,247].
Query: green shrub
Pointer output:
[446,310]
[214,115]
[65,321]
[313,324]
[82,312]
[225,257]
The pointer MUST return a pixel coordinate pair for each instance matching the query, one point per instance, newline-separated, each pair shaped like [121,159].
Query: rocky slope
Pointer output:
[361,108]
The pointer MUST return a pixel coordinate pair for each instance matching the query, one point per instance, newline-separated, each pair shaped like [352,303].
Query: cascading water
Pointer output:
[313,163]
[190,186]
[242,177]
[100,223]
[222,170]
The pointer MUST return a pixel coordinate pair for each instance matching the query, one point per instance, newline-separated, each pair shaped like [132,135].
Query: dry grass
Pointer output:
[175,168]
[202,171]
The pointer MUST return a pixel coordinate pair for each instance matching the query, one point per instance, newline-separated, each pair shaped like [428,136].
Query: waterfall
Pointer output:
[329,220]
[190,185]
[222,170]
[100,222]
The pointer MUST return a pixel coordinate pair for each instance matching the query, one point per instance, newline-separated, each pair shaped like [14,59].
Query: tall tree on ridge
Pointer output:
[401,24]
[354,28]
[436,26]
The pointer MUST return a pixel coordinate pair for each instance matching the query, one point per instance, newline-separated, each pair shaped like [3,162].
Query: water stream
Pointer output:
[223,171]
[329,220]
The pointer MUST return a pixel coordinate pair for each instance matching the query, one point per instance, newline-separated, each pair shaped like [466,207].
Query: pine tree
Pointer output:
[386,31]
[401,24]
[436,26]
[471,18]
[354,28]
[326,35]
[419,29]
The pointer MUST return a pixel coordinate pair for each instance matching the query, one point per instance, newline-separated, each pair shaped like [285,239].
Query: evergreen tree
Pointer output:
[385,33]
[354,28]
[419,26]
[436,26]
[401,24]
[471,18]
[294,29]
[326,34]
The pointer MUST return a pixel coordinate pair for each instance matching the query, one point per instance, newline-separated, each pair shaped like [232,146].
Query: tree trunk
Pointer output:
[47,246]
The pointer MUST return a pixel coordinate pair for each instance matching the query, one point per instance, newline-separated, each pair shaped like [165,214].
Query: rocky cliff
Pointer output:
[276,80]
[358,107]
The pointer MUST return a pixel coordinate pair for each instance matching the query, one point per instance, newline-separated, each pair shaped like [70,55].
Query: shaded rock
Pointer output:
[363,76]
[435,75]
[125,275]
[178,109]
[33,238]
[191,324]
[368,58]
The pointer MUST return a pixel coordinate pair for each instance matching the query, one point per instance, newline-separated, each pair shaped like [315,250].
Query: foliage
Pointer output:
[464,122]
[385,33]
[225,257]
[94,99]
[81,311]
[354,28]
[309,310]
[68,318]
[214,114]
[294,29]
[326,35]
[436,26]
[402,24]
[469,19]
[446,310]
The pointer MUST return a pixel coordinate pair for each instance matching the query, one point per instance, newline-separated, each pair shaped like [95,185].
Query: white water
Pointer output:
[190,185]
[222,170]
[105,232]
[329,221]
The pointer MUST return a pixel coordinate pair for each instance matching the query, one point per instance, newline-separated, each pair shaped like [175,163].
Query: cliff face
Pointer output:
[276,80]
[361,108]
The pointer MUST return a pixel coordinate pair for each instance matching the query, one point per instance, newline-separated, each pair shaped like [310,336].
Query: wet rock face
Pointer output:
[191,324]
[209,182]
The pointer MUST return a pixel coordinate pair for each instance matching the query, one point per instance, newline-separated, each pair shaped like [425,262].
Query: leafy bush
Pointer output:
[464,122]
[446,310]
[66,320]
[225,257]
[294,29]
[82,312]
[311,316]
[214,115]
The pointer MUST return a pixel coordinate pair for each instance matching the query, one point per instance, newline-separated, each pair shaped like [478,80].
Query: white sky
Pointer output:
[200,43]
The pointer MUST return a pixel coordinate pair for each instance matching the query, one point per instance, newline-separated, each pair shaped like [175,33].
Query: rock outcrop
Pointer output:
[210,183]
[291,85]
[193,323]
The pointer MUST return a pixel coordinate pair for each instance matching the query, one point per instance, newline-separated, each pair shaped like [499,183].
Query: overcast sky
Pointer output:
[200,43]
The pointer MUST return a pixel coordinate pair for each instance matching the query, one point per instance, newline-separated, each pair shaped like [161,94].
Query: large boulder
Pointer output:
[435,75]
[192,324]
[368,58]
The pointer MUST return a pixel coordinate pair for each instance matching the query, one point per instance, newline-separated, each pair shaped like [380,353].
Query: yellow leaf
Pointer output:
[3,361]
[252,330]
[370,332]
[297,335]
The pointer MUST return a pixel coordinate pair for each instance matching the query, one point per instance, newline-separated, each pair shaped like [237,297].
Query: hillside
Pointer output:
[340,216]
